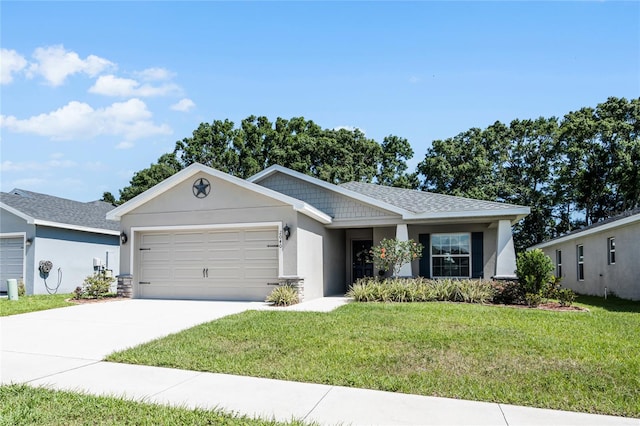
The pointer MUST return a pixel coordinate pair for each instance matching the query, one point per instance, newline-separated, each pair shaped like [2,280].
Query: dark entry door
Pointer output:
[362,259]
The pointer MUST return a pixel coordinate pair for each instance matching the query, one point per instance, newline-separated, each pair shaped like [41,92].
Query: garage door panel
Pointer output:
[155,239]
[240,266]
[222,254]
[189,238]
[224,237]
[11,260]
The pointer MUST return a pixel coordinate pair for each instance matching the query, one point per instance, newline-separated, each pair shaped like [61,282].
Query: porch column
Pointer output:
[505,252]
[402,234]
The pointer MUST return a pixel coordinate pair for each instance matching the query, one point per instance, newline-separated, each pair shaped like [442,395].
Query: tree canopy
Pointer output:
[572,171]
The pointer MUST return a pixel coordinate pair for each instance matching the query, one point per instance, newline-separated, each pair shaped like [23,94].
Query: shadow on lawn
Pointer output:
[612,303]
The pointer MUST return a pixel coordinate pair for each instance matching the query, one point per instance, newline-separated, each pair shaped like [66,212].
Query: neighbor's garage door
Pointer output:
[230,264]
[11,260]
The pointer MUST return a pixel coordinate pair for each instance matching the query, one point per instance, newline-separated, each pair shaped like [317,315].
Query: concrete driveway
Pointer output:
[39,344]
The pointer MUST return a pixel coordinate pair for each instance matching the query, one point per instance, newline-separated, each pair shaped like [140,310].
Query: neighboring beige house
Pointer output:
[600,258]
[204,234]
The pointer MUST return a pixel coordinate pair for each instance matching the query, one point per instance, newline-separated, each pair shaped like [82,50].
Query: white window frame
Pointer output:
[559,263]
[432,256]
[580,262]
[611,250]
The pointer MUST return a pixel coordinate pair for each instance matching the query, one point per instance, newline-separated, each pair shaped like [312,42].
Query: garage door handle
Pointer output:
[273,245]
[144,282]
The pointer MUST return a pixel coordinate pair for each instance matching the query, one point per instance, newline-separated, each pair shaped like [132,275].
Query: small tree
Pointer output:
[534,270]
[392,254]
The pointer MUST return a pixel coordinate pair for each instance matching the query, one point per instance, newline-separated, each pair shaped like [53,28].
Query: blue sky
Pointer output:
[92,92]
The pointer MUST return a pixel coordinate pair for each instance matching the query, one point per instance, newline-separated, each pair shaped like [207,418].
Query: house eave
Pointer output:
[512,214]
[14,211]
[50,224]
[580,234]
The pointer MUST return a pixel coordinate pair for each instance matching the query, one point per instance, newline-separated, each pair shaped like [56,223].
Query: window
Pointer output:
[580,261]
[611,245]
[451,255]
[559,263]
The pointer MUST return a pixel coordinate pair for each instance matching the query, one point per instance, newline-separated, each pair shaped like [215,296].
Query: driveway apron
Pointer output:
[38,344]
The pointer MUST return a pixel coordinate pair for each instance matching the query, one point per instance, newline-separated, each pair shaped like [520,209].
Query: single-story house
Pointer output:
[74,237]
[601,258]
[204,234]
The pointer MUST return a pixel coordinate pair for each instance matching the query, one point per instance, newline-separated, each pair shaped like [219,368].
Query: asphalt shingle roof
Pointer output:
[423,202]
[60,210]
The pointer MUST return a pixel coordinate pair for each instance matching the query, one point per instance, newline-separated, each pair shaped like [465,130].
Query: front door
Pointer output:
[361,259]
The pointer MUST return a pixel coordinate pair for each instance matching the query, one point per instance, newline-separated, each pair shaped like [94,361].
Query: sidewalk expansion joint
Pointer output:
[318,403]
[506,422]
[65,371]
[148,397]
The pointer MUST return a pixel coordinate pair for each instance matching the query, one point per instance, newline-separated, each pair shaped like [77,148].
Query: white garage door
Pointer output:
[230,264]
[11,260]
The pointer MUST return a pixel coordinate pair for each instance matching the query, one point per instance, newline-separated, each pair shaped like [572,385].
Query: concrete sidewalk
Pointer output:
[63,348]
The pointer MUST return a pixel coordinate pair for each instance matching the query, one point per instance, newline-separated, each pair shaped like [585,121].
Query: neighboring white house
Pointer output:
[204,234]
[75,237]
[601,257]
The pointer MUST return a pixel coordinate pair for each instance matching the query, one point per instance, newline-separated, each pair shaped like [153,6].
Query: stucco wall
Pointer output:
[71,253]
[621,277]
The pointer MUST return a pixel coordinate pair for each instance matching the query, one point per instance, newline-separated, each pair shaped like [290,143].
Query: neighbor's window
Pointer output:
[451,255]
[580,260]
[558,263]
[611,244]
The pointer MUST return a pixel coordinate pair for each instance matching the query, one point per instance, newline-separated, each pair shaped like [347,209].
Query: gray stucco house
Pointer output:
[72,235]
[203,234]
[602,257]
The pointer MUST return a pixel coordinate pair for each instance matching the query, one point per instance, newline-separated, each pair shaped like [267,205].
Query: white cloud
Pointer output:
[414,79]
[56,162]
[124,145]
[110,85]
[55,64]
[155,74]
[183,105]
[10,62]
[130,120]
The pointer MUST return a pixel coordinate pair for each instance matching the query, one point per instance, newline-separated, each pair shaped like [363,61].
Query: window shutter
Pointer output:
[425,260]
[477,264]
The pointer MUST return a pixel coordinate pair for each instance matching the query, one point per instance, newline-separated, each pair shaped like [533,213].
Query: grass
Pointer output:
[34,303]
[24,405]
[578,361]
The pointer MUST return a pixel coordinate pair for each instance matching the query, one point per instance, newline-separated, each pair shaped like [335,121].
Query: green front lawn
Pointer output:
[24,405]
[579,361]
[38,302]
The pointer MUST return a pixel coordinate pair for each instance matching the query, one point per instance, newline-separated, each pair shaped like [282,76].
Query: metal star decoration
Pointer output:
[201,188]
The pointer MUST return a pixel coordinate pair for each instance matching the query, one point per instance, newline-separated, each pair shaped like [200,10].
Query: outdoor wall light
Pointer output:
[287,232]
[123,238]
[28,242]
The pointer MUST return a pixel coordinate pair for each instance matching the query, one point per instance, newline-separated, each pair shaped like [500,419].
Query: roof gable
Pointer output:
[196,168]
[47,210]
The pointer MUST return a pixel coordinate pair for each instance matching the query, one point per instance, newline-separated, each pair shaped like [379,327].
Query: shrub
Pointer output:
[392,254]
[420,290]
[21,288]
[534,270]
[566,296]
[95,286]
[285,295]
[507,292]
[533,299]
